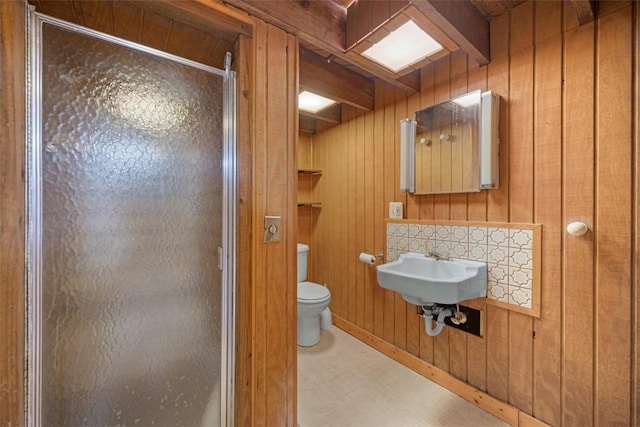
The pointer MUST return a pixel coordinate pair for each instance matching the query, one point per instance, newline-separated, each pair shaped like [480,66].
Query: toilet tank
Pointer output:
[303,251]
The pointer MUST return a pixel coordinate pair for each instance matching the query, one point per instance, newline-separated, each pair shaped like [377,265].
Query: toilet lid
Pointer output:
[309,291]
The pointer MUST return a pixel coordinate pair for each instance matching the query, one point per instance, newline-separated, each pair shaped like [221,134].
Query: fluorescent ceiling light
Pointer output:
[468,100]
[404,46]
[313,103]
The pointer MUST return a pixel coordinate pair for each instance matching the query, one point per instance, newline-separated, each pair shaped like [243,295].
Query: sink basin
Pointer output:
[423,280]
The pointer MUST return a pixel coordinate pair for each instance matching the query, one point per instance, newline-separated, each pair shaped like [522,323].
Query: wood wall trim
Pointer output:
[496,224]
[273,298]
[613,221]
[12,214]
[635,385]
[502,410]
[243,67]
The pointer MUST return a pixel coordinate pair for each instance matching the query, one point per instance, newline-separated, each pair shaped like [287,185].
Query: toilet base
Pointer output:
[308,331]
[325,319]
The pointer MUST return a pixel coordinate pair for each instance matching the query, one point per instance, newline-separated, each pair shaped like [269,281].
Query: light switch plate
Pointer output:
[396,210]
[271,229]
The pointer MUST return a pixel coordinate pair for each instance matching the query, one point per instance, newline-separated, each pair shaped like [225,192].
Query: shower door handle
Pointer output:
[220,263]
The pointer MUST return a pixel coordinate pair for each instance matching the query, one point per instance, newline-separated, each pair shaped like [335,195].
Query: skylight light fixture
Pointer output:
[406,45]
[313,103]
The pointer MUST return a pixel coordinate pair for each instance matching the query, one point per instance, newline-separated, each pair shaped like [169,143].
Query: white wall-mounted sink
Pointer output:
[424,280]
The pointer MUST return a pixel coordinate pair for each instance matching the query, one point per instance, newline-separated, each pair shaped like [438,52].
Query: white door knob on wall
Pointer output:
[577,228]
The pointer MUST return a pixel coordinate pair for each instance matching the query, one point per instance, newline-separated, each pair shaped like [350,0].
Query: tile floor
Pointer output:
[344,382]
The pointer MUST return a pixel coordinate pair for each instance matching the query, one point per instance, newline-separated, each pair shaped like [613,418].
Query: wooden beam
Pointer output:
[321,24]
[205,15]
[334,81]
[307,124]
[309,20]
[331,115]
[585,10]
[462,22]
[365,16]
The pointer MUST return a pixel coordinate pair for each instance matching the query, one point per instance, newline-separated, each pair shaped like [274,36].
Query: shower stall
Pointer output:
[131,233]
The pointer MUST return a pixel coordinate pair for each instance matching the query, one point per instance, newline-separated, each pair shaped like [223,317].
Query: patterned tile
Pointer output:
[459,234]
[521,277]
[478,235]
[459,250]
[508,253]
[478,252]
[403,243]
[498,291]
[443,232]
[522,239]
[426,244]
[441,247]
[497,255]
[498,236]
[522,258]
[416,245]
[392,242]
[415,231]
[520,296]
[497,273]
[429,232]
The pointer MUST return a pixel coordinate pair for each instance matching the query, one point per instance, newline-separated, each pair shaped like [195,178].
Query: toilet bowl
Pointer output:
[313,301]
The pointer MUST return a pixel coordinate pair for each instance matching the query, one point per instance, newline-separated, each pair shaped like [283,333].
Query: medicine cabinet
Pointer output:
[452,147]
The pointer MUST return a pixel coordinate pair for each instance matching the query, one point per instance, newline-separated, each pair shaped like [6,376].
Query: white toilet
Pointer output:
[313,304]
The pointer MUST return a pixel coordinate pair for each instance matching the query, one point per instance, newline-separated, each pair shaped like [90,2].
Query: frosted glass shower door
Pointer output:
[131,189]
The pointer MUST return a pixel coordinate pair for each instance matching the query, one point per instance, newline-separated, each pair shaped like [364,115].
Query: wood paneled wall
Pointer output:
[273,297]
[12,108]
[267,66]
[567,142]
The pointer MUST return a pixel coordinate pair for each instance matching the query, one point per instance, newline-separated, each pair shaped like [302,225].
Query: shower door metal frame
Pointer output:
[33,244]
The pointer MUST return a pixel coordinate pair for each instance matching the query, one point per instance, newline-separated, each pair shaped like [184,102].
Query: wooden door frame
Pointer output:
[255,273]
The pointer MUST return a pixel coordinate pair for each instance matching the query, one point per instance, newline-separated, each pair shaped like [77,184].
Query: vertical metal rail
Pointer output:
[229,245]
[33,208]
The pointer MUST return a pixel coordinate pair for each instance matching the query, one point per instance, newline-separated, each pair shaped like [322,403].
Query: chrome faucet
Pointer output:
[437,256]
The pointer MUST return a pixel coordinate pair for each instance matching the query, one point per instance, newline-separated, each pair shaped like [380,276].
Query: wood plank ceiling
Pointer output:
[332,33]
[184,29]
[325,30]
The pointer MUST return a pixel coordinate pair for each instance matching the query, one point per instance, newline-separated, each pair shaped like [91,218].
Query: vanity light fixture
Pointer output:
[312,103]
[402,47]
[407,154]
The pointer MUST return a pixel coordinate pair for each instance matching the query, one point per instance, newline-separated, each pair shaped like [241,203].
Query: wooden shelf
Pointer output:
[309,172]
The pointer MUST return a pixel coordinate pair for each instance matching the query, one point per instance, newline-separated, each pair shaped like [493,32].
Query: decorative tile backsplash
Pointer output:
[508,249]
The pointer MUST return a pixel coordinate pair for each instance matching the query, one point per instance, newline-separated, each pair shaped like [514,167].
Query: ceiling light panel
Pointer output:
[308,101]
[404,46]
